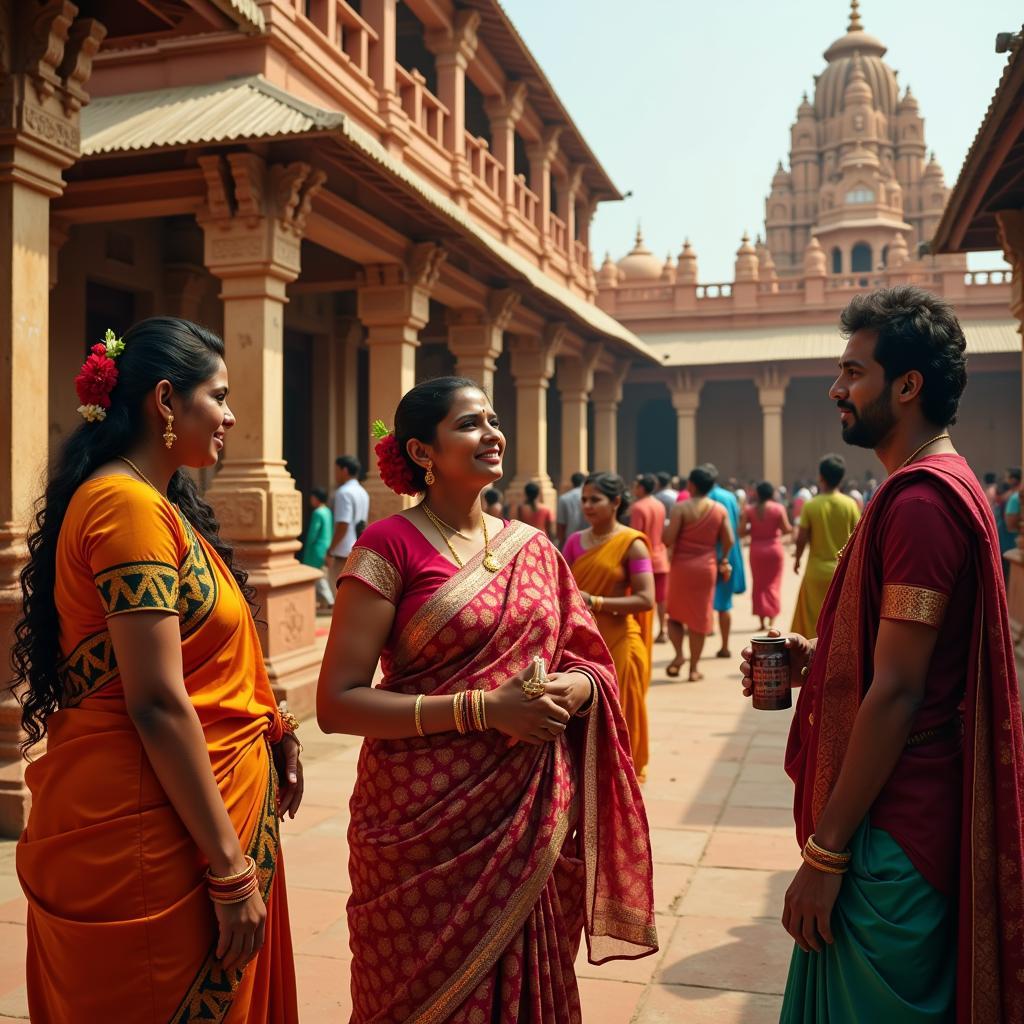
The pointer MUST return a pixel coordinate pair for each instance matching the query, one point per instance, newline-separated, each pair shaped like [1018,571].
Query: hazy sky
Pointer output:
[689,104]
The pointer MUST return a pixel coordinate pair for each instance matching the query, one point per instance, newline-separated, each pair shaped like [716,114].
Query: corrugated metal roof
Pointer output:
[244,108]
[785,344]
[250,109]
[245,12]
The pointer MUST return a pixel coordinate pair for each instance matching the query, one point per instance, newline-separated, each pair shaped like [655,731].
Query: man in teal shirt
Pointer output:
[737,582]
[318,540]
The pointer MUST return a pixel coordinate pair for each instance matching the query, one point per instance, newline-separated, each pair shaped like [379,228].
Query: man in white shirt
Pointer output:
[351,507]
[569,513]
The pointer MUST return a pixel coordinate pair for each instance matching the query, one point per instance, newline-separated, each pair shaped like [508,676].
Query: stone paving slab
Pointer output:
[719,806]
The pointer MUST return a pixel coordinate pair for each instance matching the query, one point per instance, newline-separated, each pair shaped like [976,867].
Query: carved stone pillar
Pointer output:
[505,112]
[541,156]
[567,196]
[47,58]
[685,390]
[533,366]
[382,16]
[771,390]
[394,305]
[253,223]
[453,49]
[575,381]
[607,396]
[476,338]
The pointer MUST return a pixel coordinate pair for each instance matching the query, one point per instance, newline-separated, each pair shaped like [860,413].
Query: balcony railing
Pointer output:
[986,277]
[714,291]
[423,108]
[525,201]
[582,257]
[346,29]
[483,164]
[559,233]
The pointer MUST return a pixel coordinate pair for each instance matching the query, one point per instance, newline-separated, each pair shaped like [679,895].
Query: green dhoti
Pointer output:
[894,954]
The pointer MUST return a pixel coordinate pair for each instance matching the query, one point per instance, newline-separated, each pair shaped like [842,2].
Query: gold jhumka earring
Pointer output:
[169,435]
[430,479]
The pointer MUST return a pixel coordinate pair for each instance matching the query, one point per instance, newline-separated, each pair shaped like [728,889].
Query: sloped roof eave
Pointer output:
[198,115]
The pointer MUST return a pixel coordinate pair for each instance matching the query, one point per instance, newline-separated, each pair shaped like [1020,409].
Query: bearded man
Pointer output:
[906,746]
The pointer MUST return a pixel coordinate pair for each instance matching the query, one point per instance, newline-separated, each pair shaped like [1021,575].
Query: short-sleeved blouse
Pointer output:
[394,558]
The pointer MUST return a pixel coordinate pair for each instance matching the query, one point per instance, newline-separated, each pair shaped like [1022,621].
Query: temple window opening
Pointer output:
[837,260]
[860,195]
[860,258]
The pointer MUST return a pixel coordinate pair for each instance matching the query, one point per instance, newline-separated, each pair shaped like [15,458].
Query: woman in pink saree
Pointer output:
[479,857]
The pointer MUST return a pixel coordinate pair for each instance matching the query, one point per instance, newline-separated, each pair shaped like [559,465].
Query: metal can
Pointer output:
[770,671]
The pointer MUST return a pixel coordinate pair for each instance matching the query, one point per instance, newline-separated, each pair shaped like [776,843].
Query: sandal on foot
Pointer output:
[672,670]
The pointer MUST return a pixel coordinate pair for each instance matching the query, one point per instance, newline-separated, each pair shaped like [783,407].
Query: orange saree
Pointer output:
[602,570]
[120,927]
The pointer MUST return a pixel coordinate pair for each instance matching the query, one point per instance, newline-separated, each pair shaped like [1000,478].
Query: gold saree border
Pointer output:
[212,993]
[373,569]
[439,1007]
[457,591]
[914,604]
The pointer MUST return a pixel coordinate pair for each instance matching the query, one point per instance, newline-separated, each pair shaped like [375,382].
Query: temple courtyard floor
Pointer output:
[721,830]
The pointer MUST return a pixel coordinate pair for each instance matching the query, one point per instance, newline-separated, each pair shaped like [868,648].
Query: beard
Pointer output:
[872,424]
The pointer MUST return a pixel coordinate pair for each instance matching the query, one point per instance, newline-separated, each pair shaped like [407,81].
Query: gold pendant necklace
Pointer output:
[938,437]
[490,563]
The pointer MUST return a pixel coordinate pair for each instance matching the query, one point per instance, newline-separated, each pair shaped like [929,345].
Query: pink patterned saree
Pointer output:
[477,865]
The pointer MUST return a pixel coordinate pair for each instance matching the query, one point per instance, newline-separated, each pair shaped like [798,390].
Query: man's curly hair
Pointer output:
[916,331]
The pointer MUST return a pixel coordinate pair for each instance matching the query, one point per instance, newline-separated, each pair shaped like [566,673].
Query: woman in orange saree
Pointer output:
[612,566]
[492,825]
[162,730]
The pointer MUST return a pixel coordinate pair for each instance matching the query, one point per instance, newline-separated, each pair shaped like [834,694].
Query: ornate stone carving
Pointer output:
[84,40]
[249,172]
[291,625]
[501,305]
[424,266]
[510,106]
[218,203]
[44,26]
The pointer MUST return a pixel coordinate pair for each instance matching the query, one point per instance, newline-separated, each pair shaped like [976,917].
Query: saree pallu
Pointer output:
[120,926]
[476,862]
[893,957]
[602,570]
[990,912]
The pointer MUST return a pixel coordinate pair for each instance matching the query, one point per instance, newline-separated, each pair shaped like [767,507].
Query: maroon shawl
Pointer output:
[990,961]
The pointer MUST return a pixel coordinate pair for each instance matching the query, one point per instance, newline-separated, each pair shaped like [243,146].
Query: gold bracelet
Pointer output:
[483,709]
[598,602]
[249,869]
[818,866]
[830,856]
[419,720]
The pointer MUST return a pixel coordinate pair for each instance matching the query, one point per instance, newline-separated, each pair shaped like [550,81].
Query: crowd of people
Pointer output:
[497,817]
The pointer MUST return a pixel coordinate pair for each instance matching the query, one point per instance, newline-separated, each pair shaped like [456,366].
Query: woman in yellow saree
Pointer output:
[151,860]
[495,818]
[612,566]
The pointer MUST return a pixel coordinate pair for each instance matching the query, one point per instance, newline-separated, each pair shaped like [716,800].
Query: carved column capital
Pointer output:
[771,388]
[508,108]
[255,216]
[685,388]
[545,151]
[456,43]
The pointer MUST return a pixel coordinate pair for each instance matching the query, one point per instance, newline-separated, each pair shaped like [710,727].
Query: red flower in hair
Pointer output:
[97,378]
[394,468]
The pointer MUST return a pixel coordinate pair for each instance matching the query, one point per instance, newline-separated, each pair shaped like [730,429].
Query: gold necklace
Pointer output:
[490,563]
[438,521]
[937,437]
[128,462]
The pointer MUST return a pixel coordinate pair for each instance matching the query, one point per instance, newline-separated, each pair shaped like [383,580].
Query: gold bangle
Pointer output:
[419,720]
[249,869]
[831,856]
[483,709]
[826,869]
[598,601]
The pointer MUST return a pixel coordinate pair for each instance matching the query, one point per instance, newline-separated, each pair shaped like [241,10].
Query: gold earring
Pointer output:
[429,479]
[169,435]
